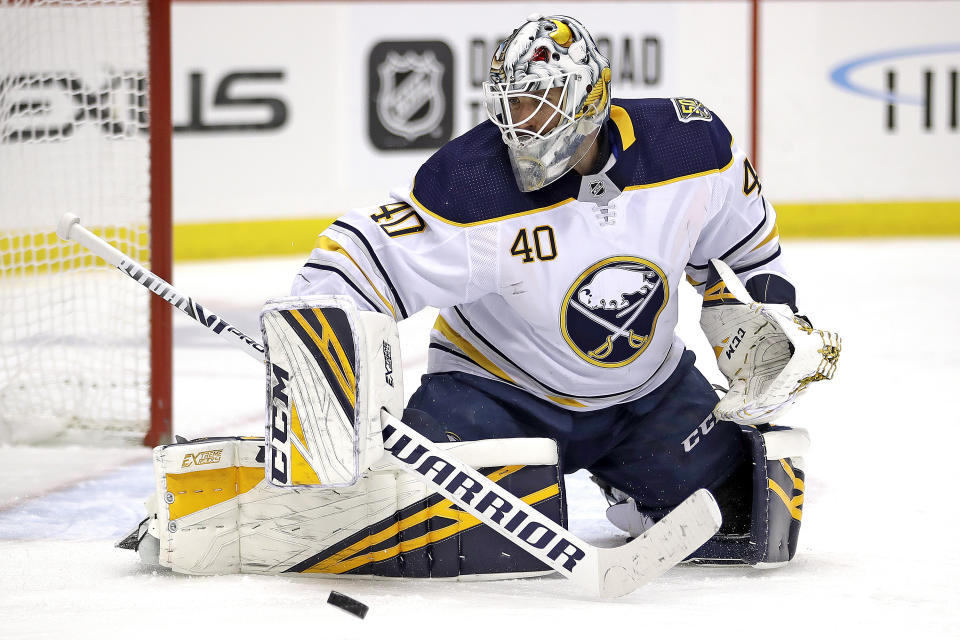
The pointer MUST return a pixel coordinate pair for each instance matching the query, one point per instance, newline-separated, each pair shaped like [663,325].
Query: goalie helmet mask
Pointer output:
[548,93]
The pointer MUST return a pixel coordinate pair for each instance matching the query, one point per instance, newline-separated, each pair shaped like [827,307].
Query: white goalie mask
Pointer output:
[549,93]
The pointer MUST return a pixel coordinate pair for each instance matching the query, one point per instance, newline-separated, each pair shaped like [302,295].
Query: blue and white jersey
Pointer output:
[568,292]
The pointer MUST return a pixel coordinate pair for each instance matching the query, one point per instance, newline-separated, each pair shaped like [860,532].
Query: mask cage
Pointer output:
[505,107]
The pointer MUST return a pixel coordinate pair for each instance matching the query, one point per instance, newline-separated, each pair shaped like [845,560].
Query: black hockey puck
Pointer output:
[348,604]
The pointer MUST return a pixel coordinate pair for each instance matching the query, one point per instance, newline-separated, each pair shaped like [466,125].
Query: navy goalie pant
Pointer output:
[653,449]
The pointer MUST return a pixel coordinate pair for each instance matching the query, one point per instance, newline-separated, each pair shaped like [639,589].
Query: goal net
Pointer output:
[78,349]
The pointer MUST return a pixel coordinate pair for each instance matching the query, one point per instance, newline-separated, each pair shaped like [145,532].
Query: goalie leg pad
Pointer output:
[762,506]
[217,514]
[761,502]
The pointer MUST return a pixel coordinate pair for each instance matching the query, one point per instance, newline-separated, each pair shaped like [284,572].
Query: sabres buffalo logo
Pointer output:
[610,312]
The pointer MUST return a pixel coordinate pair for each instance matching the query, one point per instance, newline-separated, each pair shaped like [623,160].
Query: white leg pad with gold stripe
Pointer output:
[217,514]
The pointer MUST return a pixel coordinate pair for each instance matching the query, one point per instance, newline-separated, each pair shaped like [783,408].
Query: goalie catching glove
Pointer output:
[768,354]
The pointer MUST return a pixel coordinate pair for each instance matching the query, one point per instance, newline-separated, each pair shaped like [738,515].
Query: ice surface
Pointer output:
[878,555]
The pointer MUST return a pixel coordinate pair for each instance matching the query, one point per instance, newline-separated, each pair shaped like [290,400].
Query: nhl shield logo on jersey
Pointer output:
[610,312]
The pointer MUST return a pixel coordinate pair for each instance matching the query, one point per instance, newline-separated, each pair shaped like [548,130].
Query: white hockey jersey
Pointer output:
[568,292]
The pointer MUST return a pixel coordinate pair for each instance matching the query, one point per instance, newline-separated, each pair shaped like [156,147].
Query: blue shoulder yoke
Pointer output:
[666,148]
[469,180]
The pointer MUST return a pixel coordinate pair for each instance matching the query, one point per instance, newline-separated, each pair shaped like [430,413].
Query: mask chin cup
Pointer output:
[541,162]
[528,171]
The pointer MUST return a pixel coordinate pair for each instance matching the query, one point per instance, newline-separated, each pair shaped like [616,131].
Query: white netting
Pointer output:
[74,335]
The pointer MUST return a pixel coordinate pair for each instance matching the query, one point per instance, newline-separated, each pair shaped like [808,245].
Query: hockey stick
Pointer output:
[598,571]
[69,228]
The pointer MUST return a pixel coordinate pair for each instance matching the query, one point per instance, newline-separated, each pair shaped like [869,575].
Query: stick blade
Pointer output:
[679,534]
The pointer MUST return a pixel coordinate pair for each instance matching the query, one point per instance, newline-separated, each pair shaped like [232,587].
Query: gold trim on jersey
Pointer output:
[773,234]
[471,351]
[624,124]
[294,236]
[482,361]
[567,402]
[680,178]
[729,164]
[622,119]
[487,220]
[328,244]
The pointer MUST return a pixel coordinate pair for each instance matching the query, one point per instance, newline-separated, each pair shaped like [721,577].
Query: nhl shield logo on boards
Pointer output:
[610,312]
[411,95]
[410,102]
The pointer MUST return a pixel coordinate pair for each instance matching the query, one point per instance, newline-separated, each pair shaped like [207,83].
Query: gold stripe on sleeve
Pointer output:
[328,244]
[773,234]
[447,331]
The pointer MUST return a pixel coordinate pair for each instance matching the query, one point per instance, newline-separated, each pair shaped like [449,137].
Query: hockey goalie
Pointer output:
[553,238]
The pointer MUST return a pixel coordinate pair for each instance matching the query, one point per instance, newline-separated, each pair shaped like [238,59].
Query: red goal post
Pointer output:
[161,234]
[85,126]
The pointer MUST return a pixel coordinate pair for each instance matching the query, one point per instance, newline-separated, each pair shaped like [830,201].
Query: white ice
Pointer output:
[877,557]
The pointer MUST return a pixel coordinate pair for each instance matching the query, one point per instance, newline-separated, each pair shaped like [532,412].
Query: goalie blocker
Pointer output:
[329,373]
